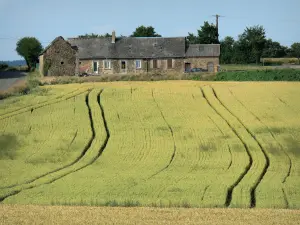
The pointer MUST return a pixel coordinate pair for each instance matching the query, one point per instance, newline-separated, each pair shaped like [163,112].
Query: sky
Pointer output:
[46,20]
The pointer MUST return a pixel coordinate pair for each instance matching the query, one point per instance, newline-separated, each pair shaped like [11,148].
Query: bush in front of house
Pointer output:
[260,75]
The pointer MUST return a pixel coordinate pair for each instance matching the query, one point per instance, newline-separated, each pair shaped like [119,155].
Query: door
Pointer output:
[187,67]
[210,67]
[95,67]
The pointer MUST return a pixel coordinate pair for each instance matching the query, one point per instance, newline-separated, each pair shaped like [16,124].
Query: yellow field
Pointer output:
[28,215]
[160,144]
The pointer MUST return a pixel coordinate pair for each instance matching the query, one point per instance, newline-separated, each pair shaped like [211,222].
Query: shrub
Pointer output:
[3,66]
[260,75]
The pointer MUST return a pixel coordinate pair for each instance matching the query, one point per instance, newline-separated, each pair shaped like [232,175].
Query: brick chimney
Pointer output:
[113,37]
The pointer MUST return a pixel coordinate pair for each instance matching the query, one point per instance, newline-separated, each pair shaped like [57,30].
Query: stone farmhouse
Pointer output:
[126,55]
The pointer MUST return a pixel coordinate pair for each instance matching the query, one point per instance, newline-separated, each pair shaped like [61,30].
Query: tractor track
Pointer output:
[247,168]
[229,149]
[41,106]
[88,145]
[102,148]
[32,105]
[273,136]
[172,134]
[267,164]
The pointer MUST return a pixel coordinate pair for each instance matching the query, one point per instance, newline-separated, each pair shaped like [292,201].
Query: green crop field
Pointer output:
[160,144]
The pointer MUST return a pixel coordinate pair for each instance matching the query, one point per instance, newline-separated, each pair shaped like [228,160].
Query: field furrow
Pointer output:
[15,109]
[46,103]
[172,134]
[161,144]
[49,149]
[95,150]
[243,194]
[277,128]
[280,162]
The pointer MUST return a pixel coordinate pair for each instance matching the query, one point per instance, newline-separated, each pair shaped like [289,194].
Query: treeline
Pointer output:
[252,45]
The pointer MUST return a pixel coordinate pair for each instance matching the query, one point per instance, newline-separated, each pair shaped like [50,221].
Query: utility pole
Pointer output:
[217,23]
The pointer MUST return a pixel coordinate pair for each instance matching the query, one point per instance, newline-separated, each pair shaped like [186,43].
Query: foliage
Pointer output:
[29,48]
[260,75]
[254,39]
[143,31]
[273,49]
[28,86]
[208,34]
[227,50]
[3,66]
[295,50]
[92,35]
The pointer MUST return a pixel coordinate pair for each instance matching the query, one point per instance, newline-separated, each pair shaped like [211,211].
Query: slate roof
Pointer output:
[203,50]
[55,40]
[129,47]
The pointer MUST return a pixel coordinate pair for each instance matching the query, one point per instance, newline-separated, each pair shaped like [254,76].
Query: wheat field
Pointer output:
[159,144]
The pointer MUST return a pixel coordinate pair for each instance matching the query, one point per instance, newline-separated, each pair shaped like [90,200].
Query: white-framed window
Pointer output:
[107,64]
[138,64]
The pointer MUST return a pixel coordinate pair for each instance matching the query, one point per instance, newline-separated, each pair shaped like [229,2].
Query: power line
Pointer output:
[15,38]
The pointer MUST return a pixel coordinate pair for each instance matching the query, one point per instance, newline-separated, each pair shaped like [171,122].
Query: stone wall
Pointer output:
[178,66]
[59,59]
[146,66]
[202,62]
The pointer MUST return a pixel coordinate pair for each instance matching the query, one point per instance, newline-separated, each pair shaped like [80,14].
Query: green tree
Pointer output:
[254,38]
[29,48]
[208,34]
[295,50]
[227,45]
[92,35]
[143,31]
[273,49]
[192,39]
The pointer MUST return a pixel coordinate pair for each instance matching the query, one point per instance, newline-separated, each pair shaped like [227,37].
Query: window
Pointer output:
[107,64]
[170,64]
[62,62]
[138,64]
[154,63]
[123,65]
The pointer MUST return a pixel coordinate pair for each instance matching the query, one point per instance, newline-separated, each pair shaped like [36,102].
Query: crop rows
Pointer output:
[190,145]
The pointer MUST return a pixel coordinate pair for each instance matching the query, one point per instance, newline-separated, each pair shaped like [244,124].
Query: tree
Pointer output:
[143,31]
[192,39]
[227,50]
[273,49]
[29,48]
[92,35]
[295,50]
[208,34]
[254,38]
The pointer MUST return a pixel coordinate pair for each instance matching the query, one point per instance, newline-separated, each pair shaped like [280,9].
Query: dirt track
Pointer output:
[7,79]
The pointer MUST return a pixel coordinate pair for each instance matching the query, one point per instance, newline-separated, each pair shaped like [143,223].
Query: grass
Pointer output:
[28,214]
[165,144]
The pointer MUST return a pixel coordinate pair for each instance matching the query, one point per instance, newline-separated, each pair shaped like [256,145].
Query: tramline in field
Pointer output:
[186,144]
